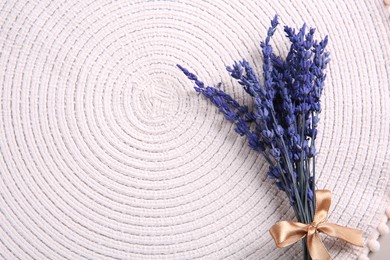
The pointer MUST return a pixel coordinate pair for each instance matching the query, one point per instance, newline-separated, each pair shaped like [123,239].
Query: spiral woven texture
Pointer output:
[108,152]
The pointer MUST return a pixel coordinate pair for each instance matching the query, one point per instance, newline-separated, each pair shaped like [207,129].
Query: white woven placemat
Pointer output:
[107,151]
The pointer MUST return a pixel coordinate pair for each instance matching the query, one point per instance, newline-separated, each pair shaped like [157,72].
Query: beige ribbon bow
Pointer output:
[286,233]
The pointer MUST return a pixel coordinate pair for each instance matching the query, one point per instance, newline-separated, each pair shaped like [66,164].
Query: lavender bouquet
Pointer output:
[282,124]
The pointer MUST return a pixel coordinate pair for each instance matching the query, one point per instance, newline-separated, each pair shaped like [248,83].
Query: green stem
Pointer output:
[301,173]
[307,170]
[306,255]
[291,171]
[314,166]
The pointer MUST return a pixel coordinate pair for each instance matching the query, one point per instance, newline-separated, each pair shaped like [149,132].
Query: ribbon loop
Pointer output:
[351,235]
[295,232]
[323,201]
[286,233]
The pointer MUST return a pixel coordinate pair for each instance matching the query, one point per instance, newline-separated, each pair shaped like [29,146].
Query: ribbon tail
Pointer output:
[317,249]
[351,235]
[286,233]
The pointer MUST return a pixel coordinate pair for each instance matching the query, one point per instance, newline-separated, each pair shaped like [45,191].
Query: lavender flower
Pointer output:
[282,124]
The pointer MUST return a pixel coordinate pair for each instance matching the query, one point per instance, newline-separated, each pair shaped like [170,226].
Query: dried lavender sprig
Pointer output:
[232,110]
[312,84]
[302,87]
[256,142]
[269,87]
[246,77]
[247,80]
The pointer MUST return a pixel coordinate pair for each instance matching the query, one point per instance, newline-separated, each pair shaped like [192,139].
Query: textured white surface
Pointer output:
[107,152]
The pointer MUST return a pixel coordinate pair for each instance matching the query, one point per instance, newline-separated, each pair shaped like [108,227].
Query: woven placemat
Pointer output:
[108,152]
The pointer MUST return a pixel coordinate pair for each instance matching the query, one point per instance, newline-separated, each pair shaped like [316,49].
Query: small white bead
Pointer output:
[387,2]
[388,211]
[374,245]
[384,218]
[363,257]
[383,228]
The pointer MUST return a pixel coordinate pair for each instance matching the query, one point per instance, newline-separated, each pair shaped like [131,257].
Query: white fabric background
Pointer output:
[107,151]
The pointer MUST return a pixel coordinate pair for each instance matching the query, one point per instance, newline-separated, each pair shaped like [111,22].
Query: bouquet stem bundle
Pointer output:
[282,124]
